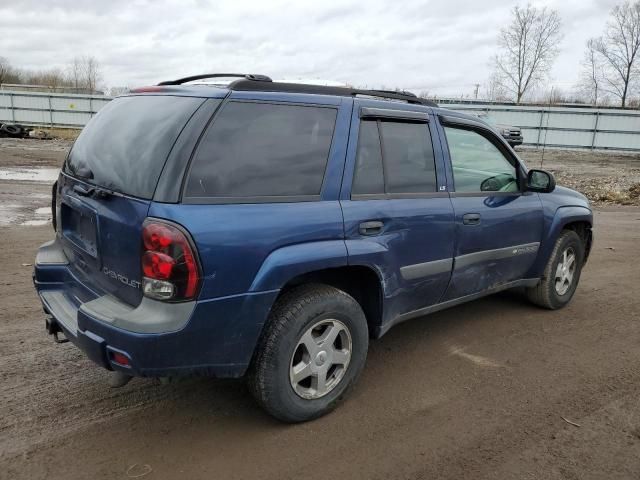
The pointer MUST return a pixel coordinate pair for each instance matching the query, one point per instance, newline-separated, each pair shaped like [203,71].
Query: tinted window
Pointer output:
[254,150]
[368,172]
[408,158]
[124,147]
[478,165]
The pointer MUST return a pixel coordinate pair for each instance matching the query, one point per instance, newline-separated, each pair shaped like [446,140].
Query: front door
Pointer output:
[498,225]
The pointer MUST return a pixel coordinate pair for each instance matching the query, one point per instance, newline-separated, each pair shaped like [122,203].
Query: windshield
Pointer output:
[124,147]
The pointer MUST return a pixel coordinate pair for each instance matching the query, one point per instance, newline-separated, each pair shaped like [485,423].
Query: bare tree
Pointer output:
[84,73]
[8,74]
[494,90]
[75,72]
[619,49]
[5,68]
[591,77]
[91,73]
[529,46]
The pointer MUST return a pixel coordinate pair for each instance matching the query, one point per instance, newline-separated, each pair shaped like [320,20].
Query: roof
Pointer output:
[262,83]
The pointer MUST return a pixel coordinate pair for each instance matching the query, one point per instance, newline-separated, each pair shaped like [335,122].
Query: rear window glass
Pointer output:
[124,147]
[263,150]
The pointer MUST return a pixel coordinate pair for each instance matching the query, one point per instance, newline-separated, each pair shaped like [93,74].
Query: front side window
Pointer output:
[478,165]
[394,158]
[263,150]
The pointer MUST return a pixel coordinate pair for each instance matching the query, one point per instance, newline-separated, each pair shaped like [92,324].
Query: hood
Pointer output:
[571,196]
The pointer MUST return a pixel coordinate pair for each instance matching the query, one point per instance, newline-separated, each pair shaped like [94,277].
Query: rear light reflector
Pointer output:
[169,264]
[120,359]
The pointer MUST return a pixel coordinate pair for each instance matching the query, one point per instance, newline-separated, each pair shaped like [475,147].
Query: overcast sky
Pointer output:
[439,46]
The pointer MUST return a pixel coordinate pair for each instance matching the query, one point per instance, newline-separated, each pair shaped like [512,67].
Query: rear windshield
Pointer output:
[125,146]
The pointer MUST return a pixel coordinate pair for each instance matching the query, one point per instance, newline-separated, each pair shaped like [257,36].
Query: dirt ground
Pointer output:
[481,391]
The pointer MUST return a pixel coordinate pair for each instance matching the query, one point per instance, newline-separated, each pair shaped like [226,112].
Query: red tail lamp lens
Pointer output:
[157,236]
[169,263]
[157,265]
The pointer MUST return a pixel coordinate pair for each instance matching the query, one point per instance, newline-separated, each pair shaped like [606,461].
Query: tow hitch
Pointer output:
[54,329]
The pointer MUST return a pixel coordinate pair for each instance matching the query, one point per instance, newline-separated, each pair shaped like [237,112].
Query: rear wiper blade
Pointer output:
[93,191]
[85,192]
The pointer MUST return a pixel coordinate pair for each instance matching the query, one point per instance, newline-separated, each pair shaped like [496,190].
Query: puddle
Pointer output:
[35,223]
[48,175]
[24,214]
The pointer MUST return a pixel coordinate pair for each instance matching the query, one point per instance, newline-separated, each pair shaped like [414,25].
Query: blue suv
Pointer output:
[271,229]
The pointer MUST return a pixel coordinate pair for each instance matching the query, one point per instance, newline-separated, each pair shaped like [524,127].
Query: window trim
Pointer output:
[410,116]
[227,200]
[386,195]
[397,196]
[255,199]
[491,136]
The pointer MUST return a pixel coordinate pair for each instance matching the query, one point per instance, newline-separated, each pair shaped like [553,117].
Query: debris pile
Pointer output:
[607,190]
[20,131]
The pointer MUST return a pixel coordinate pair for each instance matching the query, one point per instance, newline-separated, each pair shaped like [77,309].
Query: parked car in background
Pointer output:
[513,135]
[271,229]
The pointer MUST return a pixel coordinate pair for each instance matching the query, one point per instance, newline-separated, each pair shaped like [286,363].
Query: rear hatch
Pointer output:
[107,185]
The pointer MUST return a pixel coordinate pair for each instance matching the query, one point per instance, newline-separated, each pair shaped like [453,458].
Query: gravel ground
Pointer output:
[606,178]
[485,390]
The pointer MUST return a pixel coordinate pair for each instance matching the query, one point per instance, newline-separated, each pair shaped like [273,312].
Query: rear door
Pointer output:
[498,224]
[398,216]
[105,189]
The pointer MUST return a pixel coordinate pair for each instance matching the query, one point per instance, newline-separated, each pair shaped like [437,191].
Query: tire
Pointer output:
[547,294]
[283,348]
[12,130]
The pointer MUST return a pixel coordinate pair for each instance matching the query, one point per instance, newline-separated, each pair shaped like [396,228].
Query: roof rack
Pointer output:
[248,76]
[246,84]
[262,83]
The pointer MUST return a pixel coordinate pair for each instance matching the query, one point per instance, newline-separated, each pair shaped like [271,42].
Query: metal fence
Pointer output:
[49,109]
[564,127]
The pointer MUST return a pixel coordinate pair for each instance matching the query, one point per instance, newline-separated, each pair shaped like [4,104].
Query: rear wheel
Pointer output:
[312,351]
[561,274]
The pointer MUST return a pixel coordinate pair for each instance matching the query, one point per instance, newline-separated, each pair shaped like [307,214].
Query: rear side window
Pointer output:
[124,147]
[408,158]
[263,150]
[394,157]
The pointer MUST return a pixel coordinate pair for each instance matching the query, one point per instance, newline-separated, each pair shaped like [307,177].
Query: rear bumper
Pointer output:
[213,337]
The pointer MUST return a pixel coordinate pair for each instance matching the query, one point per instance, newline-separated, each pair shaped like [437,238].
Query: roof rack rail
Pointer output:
[249,84]
[248,76]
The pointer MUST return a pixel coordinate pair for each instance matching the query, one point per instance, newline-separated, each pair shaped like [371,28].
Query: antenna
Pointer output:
[546,128]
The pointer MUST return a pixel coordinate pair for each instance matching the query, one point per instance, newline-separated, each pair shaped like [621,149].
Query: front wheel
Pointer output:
[312,351]
[561,274]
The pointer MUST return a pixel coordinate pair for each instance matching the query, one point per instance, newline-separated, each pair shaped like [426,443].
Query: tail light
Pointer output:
[170,269]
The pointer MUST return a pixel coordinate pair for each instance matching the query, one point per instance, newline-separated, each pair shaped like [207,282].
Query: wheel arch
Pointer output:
[576,218]
[361,282]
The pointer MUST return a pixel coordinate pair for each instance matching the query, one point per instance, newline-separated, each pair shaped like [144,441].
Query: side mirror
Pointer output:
[540,181]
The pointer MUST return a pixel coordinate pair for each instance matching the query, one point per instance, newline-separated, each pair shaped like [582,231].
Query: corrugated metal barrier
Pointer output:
[49,109]
[564,127]
[561,126]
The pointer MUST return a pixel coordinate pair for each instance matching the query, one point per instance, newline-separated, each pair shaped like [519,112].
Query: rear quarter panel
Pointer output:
[256,247]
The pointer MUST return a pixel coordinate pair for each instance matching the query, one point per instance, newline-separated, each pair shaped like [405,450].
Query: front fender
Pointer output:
[288,262]
[553,226]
